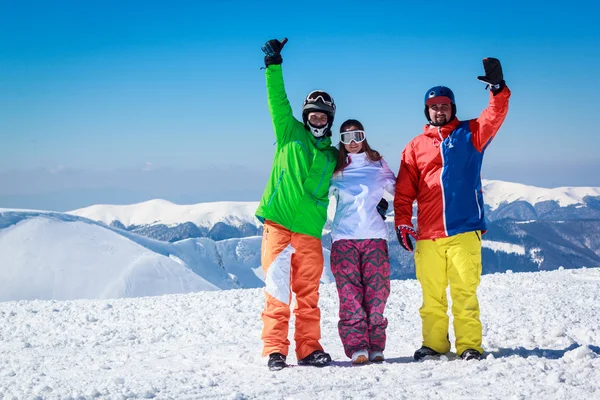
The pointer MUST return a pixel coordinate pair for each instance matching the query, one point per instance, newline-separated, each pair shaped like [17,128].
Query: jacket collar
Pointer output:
[320,143]
[357,159]
[445,131]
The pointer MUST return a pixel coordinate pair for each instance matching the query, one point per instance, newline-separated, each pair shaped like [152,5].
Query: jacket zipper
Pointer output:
[477,201]
[302,145]
[276,187]
[442,183]
[322,176]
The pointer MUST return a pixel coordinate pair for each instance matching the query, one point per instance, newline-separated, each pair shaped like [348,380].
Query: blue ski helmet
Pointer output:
[439,94]
[438,91]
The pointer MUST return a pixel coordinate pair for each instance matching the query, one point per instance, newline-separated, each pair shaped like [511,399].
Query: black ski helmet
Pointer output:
[319,101]
[433,96]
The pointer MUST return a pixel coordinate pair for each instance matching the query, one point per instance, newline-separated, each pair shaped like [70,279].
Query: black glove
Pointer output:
[272,51]
[493,75]
[382,208]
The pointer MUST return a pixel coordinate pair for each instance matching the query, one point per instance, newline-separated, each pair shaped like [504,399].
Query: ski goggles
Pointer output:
[315,95]
[357,136]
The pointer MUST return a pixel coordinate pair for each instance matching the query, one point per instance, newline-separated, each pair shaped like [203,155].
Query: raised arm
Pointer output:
[489,122]
[279,105]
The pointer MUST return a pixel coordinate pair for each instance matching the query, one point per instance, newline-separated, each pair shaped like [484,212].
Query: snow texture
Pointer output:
[541,335]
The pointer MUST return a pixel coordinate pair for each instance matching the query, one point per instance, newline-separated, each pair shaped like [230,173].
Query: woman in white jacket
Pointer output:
[359,251]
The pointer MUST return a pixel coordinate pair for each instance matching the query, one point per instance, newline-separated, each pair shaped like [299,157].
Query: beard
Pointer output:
[441,119]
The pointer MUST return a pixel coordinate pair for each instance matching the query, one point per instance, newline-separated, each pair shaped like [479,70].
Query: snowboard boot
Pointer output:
[425,352]
[470,354]
[360,357]
[317,358]
[376,356]
[276,362]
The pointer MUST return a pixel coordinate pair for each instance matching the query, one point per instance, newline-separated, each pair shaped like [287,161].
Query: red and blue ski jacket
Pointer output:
[441,170]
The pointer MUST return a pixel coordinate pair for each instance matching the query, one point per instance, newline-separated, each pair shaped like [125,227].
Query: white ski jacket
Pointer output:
[358,188]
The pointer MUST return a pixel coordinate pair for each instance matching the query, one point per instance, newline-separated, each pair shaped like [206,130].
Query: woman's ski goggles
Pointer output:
[347,137]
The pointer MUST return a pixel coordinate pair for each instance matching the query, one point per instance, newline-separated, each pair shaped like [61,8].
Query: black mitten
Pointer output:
[493,74]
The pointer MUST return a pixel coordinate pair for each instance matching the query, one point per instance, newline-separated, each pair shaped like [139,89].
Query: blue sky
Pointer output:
[125,101]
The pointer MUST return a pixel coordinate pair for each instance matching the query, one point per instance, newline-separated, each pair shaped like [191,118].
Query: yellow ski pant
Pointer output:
[454,260]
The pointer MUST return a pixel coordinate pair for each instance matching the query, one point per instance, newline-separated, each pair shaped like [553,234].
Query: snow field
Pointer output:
[541,334]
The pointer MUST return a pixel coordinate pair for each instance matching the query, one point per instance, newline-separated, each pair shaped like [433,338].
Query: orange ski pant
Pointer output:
[292,262]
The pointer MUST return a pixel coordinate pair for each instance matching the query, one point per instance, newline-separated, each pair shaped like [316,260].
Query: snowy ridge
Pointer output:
[167,213]
[503,247]
[498,192]
[235,214]
[540,332]
[48,255]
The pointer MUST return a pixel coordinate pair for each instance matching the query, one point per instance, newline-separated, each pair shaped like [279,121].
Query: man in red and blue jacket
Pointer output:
[441,170]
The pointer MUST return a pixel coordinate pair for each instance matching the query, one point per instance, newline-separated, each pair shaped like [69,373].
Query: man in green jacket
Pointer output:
[294,211]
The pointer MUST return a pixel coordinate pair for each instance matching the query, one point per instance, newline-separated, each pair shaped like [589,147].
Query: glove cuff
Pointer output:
[496,88]
[273,60]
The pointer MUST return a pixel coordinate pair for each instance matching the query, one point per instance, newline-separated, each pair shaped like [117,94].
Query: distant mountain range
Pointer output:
[158,247]
[51,255]
[166,221]
[529,228]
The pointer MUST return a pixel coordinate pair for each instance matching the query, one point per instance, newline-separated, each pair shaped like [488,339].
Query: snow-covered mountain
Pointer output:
[47,255]
[541,334]
[523,247]
[530,228]
[497,193]
[164,212]
[513,201]
[163,220]
[503,200]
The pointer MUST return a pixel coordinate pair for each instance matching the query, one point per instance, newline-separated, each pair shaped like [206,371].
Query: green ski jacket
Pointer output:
[296,195]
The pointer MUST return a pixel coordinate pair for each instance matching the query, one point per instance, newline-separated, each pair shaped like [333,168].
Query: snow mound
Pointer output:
[58,256]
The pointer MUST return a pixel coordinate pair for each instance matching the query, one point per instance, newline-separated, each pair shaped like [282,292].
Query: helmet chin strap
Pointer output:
[319,132]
